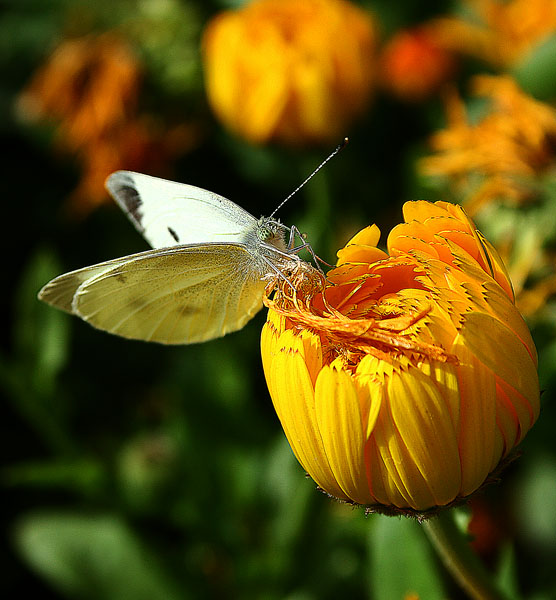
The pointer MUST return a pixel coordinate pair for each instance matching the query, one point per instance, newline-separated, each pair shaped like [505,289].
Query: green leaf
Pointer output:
[92,557]
[291,494]
[40,352]
[535,73]
[82,475]
[41,333]
[534,501]
[402,562]
[506,576]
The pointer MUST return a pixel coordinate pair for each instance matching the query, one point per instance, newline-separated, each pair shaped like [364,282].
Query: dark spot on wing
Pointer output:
[174,234]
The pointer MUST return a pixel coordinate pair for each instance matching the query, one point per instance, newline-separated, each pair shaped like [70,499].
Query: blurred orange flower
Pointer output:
[507,30]
[506,158]
[512,143]
[89,87]
[290,71]
[414,65]
[403,381]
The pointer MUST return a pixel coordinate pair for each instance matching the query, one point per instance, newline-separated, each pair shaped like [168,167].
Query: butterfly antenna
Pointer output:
[339,147]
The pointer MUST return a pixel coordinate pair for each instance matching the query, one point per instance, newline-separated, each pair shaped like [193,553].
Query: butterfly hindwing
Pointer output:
[180,296]
[60,291]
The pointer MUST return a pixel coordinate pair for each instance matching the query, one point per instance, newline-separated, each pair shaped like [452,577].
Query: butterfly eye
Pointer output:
[266,229]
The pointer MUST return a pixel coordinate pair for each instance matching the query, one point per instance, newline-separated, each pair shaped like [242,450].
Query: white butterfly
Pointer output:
[204,278]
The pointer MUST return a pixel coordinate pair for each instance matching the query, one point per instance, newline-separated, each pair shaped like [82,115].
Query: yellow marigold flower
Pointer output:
[405,379]
[512,143]
[414,65]
[506,31]
[290,71]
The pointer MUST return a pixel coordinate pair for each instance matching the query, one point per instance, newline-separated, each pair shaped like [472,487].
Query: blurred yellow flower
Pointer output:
[290,71]
[89,87]
[505,33]
[414,65]
[497,157]
[403,381]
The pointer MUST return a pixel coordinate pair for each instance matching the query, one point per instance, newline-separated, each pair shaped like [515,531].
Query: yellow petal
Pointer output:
[294,400]
[362,248]
[477,430]
[368,236]
[425,426]
[396,468]
[369,383]
[507,422]
[517,408]
[499,306]
[501,351]
[420,210]
[497,267]
[444,377]
[312,351]
[341,428]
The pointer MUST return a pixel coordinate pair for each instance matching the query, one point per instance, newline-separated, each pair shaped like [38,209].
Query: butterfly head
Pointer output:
[272,232]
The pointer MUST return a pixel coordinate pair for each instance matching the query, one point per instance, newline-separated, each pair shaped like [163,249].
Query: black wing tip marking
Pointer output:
[122,187]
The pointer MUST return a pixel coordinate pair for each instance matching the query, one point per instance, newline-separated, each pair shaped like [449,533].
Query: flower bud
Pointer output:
[405,379]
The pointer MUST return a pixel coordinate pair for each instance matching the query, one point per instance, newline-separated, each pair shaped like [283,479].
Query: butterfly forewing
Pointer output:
[169,213]
[186,295]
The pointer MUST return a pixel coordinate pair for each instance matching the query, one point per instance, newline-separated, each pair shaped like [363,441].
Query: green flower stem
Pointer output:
[458,557]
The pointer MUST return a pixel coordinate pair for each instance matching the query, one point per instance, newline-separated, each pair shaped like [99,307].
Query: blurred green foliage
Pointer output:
[136,471]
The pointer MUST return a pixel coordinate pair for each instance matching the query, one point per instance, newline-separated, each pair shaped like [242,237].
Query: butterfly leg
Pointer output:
[277,270]
[294,231]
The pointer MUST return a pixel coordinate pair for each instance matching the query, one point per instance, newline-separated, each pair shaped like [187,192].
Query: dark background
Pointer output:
[133,470]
